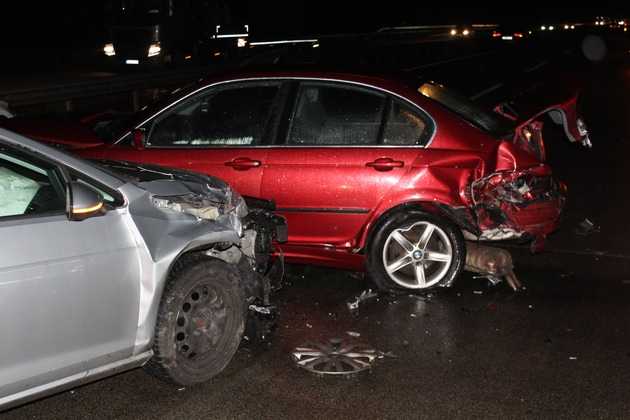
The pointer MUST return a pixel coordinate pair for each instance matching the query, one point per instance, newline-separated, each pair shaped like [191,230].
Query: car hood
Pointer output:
[64,132]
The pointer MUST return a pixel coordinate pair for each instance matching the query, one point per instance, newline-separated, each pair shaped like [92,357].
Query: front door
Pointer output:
[69,291]
[220,131]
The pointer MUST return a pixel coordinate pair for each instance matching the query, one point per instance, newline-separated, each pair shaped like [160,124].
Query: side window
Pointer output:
[327,114]
[28,187]
[233,116]
[406,126]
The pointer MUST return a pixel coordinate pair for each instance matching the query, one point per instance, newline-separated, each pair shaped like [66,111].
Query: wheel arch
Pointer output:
[456,216]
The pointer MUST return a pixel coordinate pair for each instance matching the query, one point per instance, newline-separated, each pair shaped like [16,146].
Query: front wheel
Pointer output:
[200,322]
[416,251]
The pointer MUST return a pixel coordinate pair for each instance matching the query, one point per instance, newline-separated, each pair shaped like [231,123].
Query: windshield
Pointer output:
[467,109]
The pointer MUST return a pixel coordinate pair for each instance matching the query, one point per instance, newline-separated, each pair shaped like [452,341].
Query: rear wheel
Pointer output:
[416,251]
[200,322]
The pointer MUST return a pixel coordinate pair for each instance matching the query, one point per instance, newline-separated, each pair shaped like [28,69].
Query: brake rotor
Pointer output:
[335,357]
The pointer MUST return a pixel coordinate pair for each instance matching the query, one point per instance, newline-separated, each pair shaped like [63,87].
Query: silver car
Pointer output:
[107,268]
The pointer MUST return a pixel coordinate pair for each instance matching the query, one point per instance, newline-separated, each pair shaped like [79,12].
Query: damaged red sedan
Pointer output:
[372,173]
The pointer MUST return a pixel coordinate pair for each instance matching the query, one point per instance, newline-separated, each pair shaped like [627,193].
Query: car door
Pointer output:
[221,131]
[346,147]
[69,291]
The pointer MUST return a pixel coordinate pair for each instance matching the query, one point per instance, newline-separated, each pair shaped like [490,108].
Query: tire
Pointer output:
[200,323]
[420,264]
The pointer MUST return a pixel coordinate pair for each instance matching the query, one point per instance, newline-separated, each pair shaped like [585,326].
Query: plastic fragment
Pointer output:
[354,303]
[586,227]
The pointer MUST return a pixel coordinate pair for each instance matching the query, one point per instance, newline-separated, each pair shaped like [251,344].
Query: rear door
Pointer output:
[344,149]
[221,131]
[69,291]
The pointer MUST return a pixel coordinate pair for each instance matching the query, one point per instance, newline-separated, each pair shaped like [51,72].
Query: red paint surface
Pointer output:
[301,180]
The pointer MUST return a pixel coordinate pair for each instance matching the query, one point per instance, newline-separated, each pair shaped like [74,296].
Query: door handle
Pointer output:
[243,164]
[385,164]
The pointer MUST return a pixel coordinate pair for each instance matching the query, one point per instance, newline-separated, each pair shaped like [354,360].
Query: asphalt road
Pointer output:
[559,349]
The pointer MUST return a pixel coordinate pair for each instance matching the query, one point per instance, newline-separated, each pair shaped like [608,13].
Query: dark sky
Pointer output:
[38,23]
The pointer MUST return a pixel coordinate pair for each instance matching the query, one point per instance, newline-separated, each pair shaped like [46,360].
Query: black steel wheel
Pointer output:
[200,322]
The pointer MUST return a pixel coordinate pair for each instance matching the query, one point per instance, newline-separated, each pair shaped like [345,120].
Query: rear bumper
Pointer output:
[518,205]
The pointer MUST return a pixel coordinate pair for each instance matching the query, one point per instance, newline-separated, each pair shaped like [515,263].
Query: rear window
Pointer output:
[467,109]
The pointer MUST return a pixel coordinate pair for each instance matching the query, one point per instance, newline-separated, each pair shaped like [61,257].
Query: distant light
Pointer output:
[285,41]
[543,28]
[551,28]
[453,32]
[109,50]
[507,38]
[625,29]
[518,35]
[566,26]
[188,57]
[315,45]
[230,36]
[496,34]
[154,49]
[622,22]
[572,26]
[466,32]
[217,53]
[241,42]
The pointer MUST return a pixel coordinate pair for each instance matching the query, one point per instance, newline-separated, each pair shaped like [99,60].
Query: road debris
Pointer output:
[354,303]
[335,357]
[494,264]
[586,227]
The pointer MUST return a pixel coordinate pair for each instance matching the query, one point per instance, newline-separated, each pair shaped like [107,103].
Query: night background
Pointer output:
[528,110]
[40,26]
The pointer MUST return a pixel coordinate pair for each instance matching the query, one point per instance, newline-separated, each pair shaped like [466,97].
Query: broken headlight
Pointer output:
[192,205]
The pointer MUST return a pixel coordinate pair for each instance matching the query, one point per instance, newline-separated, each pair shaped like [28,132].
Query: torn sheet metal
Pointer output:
[511,204]
[335,357]
[495,264]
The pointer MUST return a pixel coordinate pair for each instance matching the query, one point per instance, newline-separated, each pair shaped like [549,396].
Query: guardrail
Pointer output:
[68,92]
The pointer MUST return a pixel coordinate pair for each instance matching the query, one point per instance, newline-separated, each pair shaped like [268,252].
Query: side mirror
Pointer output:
[84,202]
[138,138]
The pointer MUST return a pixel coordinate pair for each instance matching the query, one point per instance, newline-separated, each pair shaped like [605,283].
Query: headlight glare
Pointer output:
[154,49]
[109,50]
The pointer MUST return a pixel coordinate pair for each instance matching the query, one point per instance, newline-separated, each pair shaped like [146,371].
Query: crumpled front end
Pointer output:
[178,213]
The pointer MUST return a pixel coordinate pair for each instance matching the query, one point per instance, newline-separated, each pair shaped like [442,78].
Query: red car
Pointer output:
[371,172]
